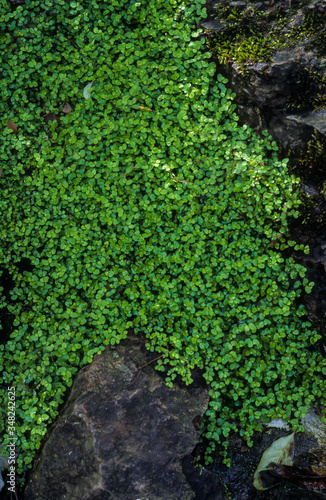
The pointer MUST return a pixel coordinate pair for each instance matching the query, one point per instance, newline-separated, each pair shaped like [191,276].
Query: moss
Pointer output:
[244,38]
[252,35]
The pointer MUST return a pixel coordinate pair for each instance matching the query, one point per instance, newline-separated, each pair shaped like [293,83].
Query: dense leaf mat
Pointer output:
[131,199]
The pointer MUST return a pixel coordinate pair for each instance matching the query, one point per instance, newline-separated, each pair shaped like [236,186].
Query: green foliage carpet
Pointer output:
[131,200]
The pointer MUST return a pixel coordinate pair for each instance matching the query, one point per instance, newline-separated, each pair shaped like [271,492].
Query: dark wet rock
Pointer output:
[122,435]
[298,20]
[204,482]
[284,91]
[263,94]
[239,4]
[3,465]
[238,479]
[214,25]
[315,427]
[318,5]
[294,131]
[257,6]
[315,120]
[315,264]
[310,190]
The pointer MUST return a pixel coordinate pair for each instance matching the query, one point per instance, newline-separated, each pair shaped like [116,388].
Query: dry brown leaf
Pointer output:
[143,107]
[12,126]
[304,477]
[67,108]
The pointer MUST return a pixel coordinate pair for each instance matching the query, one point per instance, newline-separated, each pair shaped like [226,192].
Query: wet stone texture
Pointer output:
[123,434]
[238,479]
[264,92]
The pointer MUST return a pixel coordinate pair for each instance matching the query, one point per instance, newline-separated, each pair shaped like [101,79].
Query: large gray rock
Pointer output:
[123,434]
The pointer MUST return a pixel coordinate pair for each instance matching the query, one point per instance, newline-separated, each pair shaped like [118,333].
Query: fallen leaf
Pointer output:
[147,109]
[87,89]
[280,453]
[304,477]
[12,126]
[67,108]
[269,479]
[244,449]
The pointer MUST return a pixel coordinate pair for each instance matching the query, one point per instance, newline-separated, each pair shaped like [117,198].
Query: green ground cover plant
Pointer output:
[132,199]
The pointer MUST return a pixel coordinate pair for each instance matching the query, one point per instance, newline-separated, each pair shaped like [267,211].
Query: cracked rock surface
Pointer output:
[123,434]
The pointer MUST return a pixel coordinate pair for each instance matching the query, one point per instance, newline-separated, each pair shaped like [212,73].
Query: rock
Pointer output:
[214,25]
[315,120]
[278,423]
[318,5]
[238,4]
[284,91]
[206,484]
[264,93]
[122,435]
[298,20]
[288,133]
[3,465]
[315,427]
[310,190]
